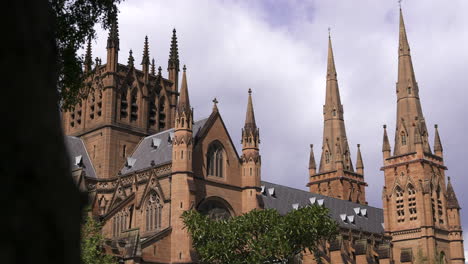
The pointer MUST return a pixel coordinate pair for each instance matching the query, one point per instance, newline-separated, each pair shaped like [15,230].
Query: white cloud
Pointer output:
[278,48]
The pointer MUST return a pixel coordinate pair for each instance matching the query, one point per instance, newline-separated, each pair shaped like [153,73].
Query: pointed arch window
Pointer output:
[99,102]
[334,112]
[91,100]
[400,205]
[215,158]
[153,212]
[121,222]
[412,203]
[403,138]
[409,90]
[162,113]
[134,105]
[327,157]
[440,211]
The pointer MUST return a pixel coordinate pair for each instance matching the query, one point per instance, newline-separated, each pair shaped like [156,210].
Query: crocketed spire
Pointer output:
[386,142]
[88,61]
[113,39]
[452,201]
[437,144]
[153,67]
[359,163]
[173,62]
[145,60]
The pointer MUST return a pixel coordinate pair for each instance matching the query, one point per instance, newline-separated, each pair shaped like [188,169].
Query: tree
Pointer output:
[260,236]
[43,214]
[92,242]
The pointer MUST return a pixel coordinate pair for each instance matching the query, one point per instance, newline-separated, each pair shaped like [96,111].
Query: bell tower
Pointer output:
[421,212]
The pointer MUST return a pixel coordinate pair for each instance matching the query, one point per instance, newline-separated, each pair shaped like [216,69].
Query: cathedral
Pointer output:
[143,157]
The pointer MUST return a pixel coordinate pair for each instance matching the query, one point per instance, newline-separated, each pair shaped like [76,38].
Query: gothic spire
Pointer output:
[334,132]
[173,62]
[250,124]
[131,60]
[438,149]
[452,201]
[184,102]
[88,61]
[409,108]
[145,60]
[359,163]
[113,39]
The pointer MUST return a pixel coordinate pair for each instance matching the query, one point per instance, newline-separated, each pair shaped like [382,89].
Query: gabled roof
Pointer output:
[285,197]
[75,149]
[146,153]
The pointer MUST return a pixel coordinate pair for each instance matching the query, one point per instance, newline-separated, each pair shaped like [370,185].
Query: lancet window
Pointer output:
[327,157]
[403,138]
[215,164]
[120,222]
[91,100]
[133,105]
[99,102]
[152,111]
[123,104]
[162,113]
[153,212]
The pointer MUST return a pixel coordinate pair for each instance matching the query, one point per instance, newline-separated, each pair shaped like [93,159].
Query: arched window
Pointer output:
[123,104]
[120,222]
[134,105]
[440,211]
[412,203]
[403,138]
[153,212]
[99,103]
[162,113]
[334,112]
[327,157]
[400,205]
[409,90]
[91,102]
[215,166]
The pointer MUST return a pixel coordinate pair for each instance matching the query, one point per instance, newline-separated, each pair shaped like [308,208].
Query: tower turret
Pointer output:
[251,161]
[173,71]
[182,174]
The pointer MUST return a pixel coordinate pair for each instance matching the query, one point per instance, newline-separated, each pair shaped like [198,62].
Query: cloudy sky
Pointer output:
[279,48]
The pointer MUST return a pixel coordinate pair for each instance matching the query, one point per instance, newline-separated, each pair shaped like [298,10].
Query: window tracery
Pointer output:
[400,206]
[134,105]
[162,113]
[215,166]
[153,212]
[412,203]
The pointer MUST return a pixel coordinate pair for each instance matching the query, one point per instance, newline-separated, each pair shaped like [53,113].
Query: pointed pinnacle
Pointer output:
[417,135]
[88,62]
[250,116]
[437,144]
[145,60]
[359,163]
[173,62]
[113,39]
[153,67]
[312,164]
[452,201]
[184,102]
[131,60]
[386,142]
[159,71]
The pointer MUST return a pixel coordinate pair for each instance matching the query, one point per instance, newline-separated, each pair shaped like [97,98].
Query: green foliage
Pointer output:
[74,24]
[260,236]
[91,244]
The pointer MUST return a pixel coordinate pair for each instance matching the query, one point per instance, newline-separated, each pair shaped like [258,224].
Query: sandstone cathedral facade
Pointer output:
[144,159]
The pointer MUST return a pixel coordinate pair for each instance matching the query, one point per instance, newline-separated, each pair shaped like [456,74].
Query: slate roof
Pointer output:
[75,148]
[145,152]
[284,198]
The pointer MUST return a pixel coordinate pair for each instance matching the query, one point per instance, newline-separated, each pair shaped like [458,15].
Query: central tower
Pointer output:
[336,176]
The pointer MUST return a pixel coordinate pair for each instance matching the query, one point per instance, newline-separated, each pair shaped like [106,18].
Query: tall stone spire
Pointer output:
[153,67]
[184,102]
[452,201]
[409,108]
[334,131]
[88,61]
[250,133]
[113,47]
[173,62]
